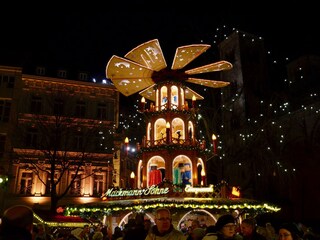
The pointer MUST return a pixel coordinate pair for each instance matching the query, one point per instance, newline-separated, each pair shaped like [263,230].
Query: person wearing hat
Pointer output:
[289,231]
[226,228]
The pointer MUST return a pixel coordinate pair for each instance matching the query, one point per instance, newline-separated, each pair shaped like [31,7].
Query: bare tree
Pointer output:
[58,146]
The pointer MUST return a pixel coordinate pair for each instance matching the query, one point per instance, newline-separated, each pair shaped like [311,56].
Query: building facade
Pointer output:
[57,136]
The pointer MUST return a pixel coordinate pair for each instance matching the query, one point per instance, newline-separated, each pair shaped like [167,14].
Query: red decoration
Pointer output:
[60,210]
[155,177]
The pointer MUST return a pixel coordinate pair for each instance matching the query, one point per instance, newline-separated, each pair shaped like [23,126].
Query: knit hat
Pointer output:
[223,220]
[292,228]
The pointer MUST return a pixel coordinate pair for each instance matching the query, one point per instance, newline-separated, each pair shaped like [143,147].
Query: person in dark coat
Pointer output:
[226,228]
[17,223]
[249,231]
[290,231]
[164,229]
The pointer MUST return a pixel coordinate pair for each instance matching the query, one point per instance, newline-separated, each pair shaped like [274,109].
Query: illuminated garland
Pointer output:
[74,222]
[217,204]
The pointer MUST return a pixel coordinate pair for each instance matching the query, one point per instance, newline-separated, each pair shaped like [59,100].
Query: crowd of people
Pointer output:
[17,223]
[228,228]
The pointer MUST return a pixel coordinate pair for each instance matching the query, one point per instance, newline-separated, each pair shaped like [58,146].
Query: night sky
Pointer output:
[85,37]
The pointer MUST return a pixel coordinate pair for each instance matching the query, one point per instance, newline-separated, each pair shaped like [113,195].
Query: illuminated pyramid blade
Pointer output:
[186,54]
[208,83]
[127,76]
[213,67]
[149,93]
[189,94]
[148,54]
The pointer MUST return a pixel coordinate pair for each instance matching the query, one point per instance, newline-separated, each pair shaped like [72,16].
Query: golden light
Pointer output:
[203,177]
[194,101]
[136,71]
[168,138]
[214,137]
[132,179]
[143,104]
[235,191]
[126,141]
[214,144]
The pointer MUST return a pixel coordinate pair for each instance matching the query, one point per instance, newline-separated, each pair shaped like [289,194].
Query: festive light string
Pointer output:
[283,109]
[59,223]
[140,206]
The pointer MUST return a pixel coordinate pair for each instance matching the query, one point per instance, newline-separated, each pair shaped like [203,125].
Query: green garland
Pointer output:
[142,205]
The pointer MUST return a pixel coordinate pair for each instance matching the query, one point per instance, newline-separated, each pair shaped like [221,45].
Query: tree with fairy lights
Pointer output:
[272,152]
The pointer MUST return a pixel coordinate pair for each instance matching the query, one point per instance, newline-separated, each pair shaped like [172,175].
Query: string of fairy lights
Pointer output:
[279,110]
[219,205]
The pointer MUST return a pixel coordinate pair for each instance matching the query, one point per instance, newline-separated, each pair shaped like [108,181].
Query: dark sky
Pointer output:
[85,37]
